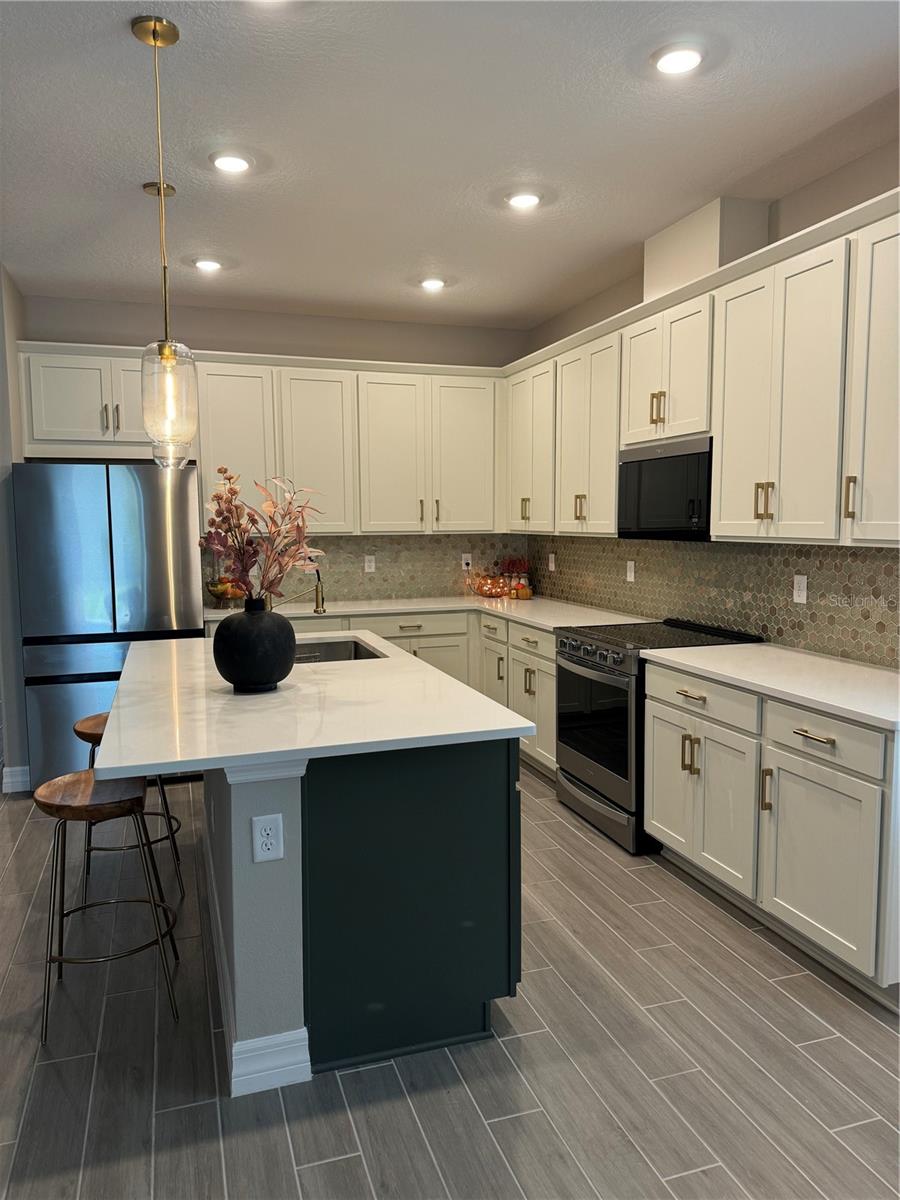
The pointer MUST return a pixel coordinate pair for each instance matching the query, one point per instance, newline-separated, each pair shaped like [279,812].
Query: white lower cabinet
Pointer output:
[820,838]
[532,694]
[494,682]
[724,834]
[449,654]
[668,794]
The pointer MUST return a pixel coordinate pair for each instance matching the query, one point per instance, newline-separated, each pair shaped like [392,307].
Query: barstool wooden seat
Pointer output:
[81,797]
[91,730]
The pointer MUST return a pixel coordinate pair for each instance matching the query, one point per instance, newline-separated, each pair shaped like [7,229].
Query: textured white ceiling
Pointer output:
[386,135]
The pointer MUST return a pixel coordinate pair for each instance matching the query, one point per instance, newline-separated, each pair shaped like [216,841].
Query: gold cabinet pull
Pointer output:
[768,515]
[850,482]
[117,423]
[437,511]
[577,513]
[529,672]
[500,675]
[695,745]
[758,514]
[421,510]
[530,641]
[815,737]
[104,413]
[417,626]
[690,695]
[580,501]
[527,508]
[654,419]
[522,509]
[765,786]
[490,628]
[660,408]
[686,758]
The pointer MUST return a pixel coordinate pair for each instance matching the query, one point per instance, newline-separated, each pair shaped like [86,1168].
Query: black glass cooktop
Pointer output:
[659,635]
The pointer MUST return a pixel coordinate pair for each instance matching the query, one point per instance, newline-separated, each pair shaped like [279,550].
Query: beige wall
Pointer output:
[607,303]
[851,184]
[243,331]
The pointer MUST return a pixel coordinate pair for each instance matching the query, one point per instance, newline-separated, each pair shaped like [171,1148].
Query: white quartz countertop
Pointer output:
[539,612]
[173,711]
[838,686]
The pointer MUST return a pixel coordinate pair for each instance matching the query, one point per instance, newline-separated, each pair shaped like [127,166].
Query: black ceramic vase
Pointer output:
[254,649]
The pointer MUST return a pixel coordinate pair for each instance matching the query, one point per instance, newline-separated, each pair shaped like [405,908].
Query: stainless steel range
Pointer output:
[600,718]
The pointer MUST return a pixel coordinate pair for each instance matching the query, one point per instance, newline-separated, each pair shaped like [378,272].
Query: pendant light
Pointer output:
[168,370]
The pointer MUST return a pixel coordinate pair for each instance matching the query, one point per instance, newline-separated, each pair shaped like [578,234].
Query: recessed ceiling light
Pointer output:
[207,265]
[677,60]
[432,285]
[524,200]
[231,164]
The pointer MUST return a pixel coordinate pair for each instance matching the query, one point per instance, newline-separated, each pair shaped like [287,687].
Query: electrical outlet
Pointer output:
[268,838]
[551,562]
[629,571]
[370,564]
[799,589]
[467,561]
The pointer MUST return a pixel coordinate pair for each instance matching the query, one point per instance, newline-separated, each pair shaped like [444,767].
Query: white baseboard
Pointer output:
[16,779]
[258,1063]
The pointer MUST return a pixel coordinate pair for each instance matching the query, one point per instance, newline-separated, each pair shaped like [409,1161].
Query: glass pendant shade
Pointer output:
[169,401]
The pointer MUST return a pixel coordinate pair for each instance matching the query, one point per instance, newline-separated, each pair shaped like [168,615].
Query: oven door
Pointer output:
[595,728]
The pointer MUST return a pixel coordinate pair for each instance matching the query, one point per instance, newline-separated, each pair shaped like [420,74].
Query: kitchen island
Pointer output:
[392,919]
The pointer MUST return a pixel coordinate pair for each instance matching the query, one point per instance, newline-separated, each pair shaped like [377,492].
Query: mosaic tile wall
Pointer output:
[852,593]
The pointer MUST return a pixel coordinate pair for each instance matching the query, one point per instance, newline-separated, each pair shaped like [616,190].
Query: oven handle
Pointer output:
[616,678]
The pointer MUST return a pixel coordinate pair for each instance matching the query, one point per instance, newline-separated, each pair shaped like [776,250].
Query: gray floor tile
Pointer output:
[27,858]
[654,1053]
[533,871]
[13,911]
[498,1088]
[13,815]
[607,1154]
[318,1122]
[76,1002]
[877,1087]
[188,1156]
[466,1154]
[534,810]
[7,1150]
[184,1068]
[847,1017]
[540,1159]
[343,1179]
[801,1138]
[538,837]
[48,1154]
[611,849]
[257,1151]
[589,891]
[532,909]
[875,1143]
[712,1183]
[795,1022]
[593,857]
[751,1158]
[540,786]
[514,1015]
[823,1096]
[392,1143]
[20,1024]
[641,1110]
[532,959]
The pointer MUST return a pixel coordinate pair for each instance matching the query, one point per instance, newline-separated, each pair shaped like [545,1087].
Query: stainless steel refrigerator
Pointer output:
[107,554]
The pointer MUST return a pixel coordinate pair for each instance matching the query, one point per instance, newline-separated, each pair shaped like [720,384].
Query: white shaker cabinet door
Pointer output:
[683,405]
[394,485]
[807,394]
[819,845]
[494,681]
[319,445]
[604,361]
[641,364]
[871,500]
[449,654]
[725,806]
[521,435]
[462,454]
[544,684]
[742,389]
[668,784]
[237,426]
[128,408]
[573,434]
[71,398]
[543,453]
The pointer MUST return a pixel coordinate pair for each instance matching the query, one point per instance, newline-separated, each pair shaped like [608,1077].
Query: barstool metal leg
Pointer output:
[167,818]
[88,838]
[143,840]
[61,899]
[51,912]
[155,870]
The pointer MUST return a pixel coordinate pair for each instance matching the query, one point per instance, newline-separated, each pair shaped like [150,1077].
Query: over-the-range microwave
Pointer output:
[664,490]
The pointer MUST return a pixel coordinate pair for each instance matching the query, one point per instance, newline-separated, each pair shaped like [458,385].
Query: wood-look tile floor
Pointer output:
[660,1046]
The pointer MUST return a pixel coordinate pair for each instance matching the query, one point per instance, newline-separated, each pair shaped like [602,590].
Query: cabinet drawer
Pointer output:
[494,628]
[532,641]
[316,624]
[703,697]
[412,624]
[826,738]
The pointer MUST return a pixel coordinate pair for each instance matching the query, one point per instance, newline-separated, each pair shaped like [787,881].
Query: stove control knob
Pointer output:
[603,656]
[614,659]
[588,651]
[569,644]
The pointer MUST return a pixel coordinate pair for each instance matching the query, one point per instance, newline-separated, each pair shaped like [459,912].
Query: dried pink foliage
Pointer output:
[258,547]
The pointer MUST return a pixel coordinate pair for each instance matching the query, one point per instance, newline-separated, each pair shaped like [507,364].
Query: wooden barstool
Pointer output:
[81,797]
[91,730]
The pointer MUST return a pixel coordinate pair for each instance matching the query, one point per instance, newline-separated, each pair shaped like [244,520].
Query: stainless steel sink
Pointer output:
[339,650]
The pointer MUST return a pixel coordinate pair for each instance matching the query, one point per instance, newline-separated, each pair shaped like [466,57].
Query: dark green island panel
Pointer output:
[411,898]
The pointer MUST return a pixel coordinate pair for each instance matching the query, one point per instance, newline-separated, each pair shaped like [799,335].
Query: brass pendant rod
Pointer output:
[162,191]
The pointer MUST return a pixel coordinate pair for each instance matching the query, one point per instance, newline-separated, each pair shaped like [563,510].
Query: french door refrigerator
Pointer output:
[107,554]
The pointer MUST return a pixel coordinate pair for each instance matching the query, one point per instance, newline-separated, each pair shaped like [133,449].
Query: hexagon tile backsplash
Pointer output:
[851,609]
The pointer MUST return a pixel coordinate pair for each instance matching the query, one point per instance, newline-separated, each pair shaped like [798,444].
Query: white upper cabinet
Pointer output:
[71,398]
[871,504]
[531,449]
[128,411]
[666,373]
[237,426]
[778,367]
[807,394]
[462,453]
[318,438]
[587,410]
[393,441]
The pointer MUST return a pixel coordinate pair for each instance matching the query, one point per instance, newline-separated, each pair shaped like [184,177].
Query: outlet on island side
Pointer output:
[268,838]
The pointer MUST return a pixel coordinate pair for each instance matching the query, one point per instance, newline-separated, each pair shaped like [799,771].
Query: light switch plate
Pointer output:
[551,562]
[629,571]
[268,838]
[370,564]
[799,589]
